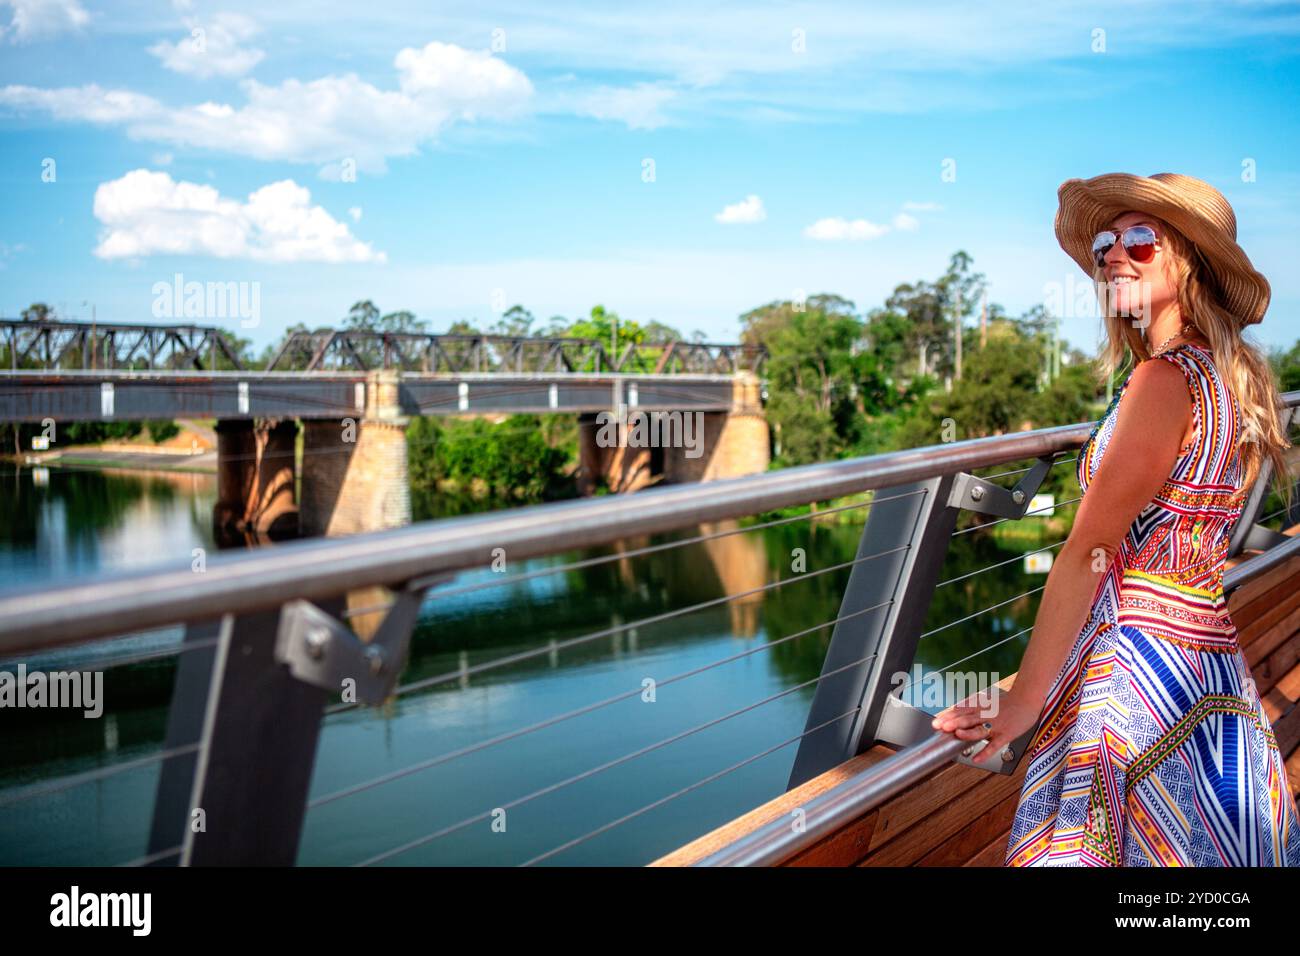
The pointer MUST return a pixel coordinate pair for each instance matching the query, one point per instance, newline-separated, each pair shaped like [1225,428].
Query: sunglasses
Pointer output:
[1139,244]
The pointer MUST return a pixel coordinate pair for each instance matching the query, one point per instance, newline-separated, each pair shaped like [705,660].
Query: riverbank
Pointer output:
[192,448]
[96,456]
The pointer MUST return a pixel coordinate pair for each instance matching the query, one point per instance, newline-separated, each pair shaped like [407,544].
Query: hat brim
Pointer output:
[1087,206]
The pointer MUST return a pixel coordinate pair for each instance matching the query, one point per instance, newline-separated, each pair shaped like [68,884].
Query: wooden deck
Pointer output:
[961,816]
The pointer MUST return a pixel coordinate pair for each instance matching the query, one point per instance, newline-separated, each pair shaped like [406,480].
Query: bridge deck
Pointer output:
[961,816]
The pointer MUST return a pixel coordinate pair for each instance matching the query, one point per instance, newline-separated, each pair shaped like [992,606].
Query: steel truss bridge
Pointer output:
[66,346]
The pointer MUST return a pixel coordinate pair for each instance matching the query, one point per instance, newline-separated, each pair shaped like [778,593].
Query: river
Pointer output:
[64,524]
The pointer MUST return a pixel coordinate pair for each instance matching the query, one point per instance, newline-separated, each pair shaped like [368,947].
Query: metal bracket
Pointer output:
[324,652]
[1259,538]
[985,497]
[902,724]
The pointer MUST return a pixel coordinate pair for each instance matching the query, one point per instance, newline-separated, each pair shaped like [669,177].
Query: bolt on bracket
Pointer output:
[985,497]
[324,652]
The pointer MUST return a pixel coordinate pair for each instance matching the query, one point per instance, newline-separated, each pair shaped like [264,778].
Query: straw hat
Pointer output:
[1193,207]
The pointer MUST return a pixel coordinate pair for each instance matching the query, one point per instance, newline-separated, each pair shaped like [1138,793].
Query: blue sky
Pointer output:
[453,158]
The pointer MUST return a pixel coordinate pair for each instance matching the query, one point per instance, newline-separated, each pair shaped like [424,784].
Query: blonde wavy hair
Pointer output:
[1245,371]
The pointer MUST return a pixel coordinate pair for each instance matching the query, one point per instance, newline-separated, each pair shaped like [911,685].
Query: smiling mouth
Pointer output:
[1123,280]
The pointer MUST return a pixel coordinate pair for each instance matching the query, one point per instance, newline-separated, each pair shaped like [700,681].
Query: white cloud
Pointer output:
[355,213]
[636,106]
[749,209]
[836,229]
[148,213]
[213,47]
[34,19]
[7,252]
[317,121]
[162,159]
[90,103]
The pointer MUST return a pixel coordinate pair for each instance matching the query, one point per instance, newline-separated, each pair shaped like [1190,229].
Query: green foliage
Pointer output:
[604,325]
[364,316]
[241,348]
[91,433]
[38,312]
[161,431]
[824,386]
[521,459]
[1287,366]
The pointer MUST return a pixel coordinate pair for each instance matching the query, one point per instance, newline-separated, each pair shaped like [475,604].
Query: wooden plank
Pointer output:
[1257,597]
[1276,671]
[1266,634]
[975,837]
[995,854]
[728,833]
[900,813]
[1293,773]
[1287,730]
[1248,601]
[844,847]
[938,827]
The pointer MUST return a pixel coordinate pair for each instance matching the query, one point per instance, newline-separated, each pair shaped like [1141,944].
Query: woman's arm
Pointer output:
[1153,415]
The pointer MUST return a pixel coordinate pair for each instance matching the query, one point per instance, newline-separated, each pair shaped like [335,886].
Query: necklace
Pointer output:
[1161,347]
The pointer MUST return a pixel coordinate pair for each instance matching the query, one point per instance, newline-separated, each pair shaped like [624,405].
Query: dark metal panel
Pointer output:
[585,395]
[430,397]
[175,791]
[67,398]
[917,520]
[281,398]
[154,398]
[257,750]
[667,393]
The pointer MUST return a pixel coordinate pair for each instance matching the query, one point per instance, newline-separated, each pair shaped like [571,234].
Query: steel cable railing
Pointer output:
[547,722]
[578,712]
[658,745]
[462,673]
[50,787]
[513,579]
[717,775]
[143,657]
[59,784]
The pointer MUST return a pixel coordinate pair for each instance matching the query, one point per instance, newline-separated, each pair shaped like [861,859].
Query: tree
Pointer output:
[812,373]
[363,315]
[931,308]
[39,312]
[517,321]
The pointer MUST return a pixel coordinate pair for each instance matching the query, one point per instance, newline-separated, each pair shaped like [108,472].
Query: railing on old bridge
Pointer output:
[427,352]
[268,643]
[54,346]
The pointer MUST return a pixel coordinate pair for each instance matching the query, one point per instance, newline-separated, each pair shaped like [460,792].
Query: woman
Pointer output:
[1152,746]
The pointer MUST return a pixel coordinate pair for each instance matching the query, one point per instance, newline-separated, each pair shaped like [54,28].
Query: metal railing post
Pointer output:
[241,798]
[906,540]
[919,523]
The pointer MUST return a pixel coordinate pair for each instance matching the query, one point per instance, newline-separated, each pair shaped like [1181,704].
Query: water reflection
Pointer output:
[84,520]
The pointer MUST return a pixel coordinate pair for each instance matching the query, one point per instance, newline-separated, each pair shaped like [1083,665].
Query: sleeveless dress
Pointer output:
[1153,748]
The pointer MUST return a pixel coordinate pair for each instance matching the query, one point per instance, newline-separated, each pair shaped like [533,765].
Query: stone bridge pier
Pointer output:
[354,472]
[677,446]
[255,481]
[352,476]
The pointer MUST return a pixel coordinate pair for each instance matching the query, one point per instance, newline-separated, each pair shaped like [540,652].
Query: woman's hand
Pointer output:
[966,722]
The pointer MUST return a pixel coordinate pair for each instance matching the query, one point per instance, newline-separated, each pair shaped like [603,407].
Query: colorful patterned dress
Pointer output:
[1154,748]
